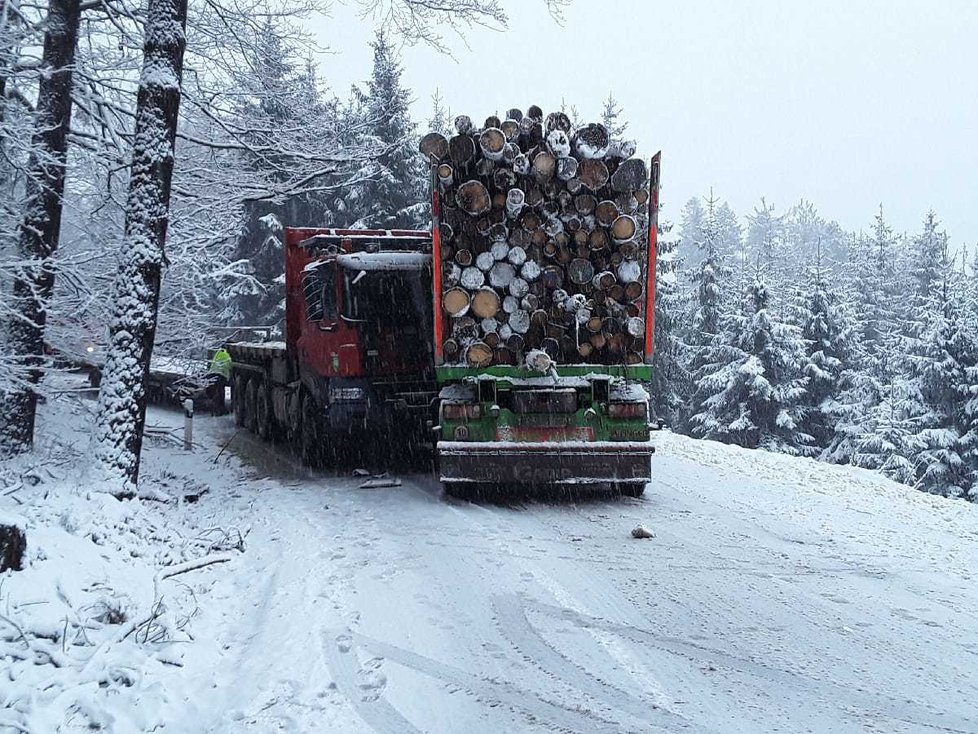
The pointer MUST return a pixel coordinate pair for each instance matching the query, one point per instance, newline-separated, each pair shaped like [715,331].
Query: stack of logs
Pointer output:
[544,236]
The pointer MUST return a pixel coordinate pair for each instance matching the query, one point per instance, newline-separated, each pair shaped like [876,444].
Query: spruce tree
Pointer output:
[670,380]
[752,383]
[611,118]
[394,197]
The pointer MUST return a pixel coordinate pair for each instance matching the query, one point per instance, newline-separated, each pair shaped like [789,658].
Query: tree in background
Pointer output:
[670,380]
[394,197]
[611,118]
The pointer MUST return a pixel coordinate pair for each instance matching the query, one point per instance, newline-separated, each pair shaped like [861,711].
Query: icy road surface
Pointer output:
[778,595]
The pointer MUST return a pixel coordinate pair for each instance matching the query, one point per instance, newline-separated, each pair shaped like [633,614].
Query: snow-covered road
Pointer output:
[778,595]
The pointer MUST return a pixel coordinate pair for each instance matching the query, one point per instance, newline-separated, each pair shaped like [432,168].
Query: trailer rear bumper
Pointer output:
[546,463]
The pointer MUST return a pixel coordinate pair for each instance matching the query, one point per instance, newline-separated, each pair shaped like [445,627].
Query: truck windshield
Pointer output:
[389,297]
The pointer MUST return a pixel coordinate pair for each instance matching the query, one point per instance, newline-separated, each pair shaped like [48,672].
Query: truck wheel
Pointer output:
[238,399]
[263,412]
[631,489]
[251,405]
[309,430]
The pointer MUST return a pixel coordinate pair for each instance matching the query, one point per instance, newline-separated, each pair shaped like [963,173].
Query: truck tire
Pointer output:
[309,431]
[238,399]
[263,411]
[250,405]
[631,489]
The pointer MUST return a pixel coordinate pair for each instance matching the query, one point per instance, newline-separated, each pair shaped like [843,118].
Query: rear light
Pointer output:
[626,410]
[461,411]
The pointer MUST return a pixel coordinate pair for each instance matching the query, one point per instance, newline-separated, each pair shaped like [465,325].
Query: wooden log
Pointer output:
[630,175]
[510,304]
[544,165]
[616,292]
[629,271]
[627,203]
[585,349]
[463,125]
[575,185]
[446,175]
[519,287]
[603,280]
[591,141]
[550,249]
[516,343]
[585,204]
[558,144]
[473,198]
[594,324]
[551,346]
[450,348]
[531,220]
[522,165]
[598,340]
[489,325]
[517,256]
[539,317]
[434,146]
[598,240]
[504,179]
[484,168]
[519,321]
[499,200]
[461,149]
[447,252]
[491,338]
[510,151]
[511,129]
[484,261]
[620,150]
[629,250]
[485,303]
[492,140]
[534,196]
[492,121]
[593,173]
[499,250]
[566,168]
[464,257]
[635,326]
[479,355]
[456,302]
[564,255]
[465,329]
[505,330]
[572,224]
[580,271]
[553,226]
[606,212]
[623,229]
[503,354]
[453,273]
[501,275]
[558,121]
[535,112]
[472,278]
[550,188]
[634,290]
[515,200]
[641,196]
[518,237]
[552,277]
[514,113]
[538,238]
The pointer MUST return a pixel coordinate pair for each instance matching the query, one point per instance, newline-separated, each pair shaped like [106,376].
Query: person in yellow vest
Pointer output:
[219,374]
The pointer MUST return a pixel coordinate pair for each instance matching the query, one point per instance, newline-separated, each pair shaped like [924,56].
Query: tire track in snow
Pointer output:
[517,628]
[377,712]
[881,707]
[385,719]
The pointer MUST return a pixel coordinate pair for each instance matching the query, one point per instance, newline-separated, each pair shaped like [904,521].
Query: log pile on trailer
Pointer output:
[544,241]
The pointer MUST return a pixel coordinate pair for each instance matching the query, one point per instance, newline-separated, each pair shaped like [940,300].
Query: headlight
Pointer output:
[626,410]
[460,411]
[346,393]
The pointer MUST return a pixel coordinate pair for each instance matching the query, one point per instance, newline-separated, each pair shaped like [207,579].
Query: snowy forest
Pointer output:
[775,329]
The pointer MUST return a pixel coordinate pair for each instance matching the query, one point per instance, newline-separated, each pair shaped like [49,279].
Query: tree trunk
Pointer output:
[41,226]
[13,546]
[136,293]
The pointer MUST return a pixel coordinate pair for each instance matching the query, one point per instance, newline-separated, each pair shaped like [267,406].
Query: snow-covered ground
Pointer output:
[778,594]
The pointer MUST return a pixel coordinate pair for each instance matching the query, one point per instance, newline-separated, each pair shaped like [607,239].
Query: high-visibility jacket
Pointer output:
[221,364]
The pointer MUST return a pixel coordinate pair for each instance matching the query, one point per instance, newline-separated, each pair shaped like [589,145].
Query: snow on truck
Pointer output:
[518,331]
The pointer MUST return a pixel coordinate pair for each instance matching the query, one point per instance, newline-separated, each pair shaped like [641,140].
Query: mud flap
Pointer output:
[547,463]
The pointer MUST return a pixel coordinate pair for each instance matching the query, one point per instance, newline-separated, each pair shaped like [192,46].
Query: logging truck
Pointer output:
[356,360]
[543,253]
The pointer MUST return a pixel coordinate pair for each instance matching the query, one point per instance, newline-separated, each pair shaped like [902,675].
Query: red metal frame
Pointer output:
[653,254]
[437,316]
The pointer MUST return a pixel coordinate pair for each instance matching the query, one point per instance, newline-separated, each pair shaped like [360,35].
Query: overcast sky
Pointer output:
[848,103]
